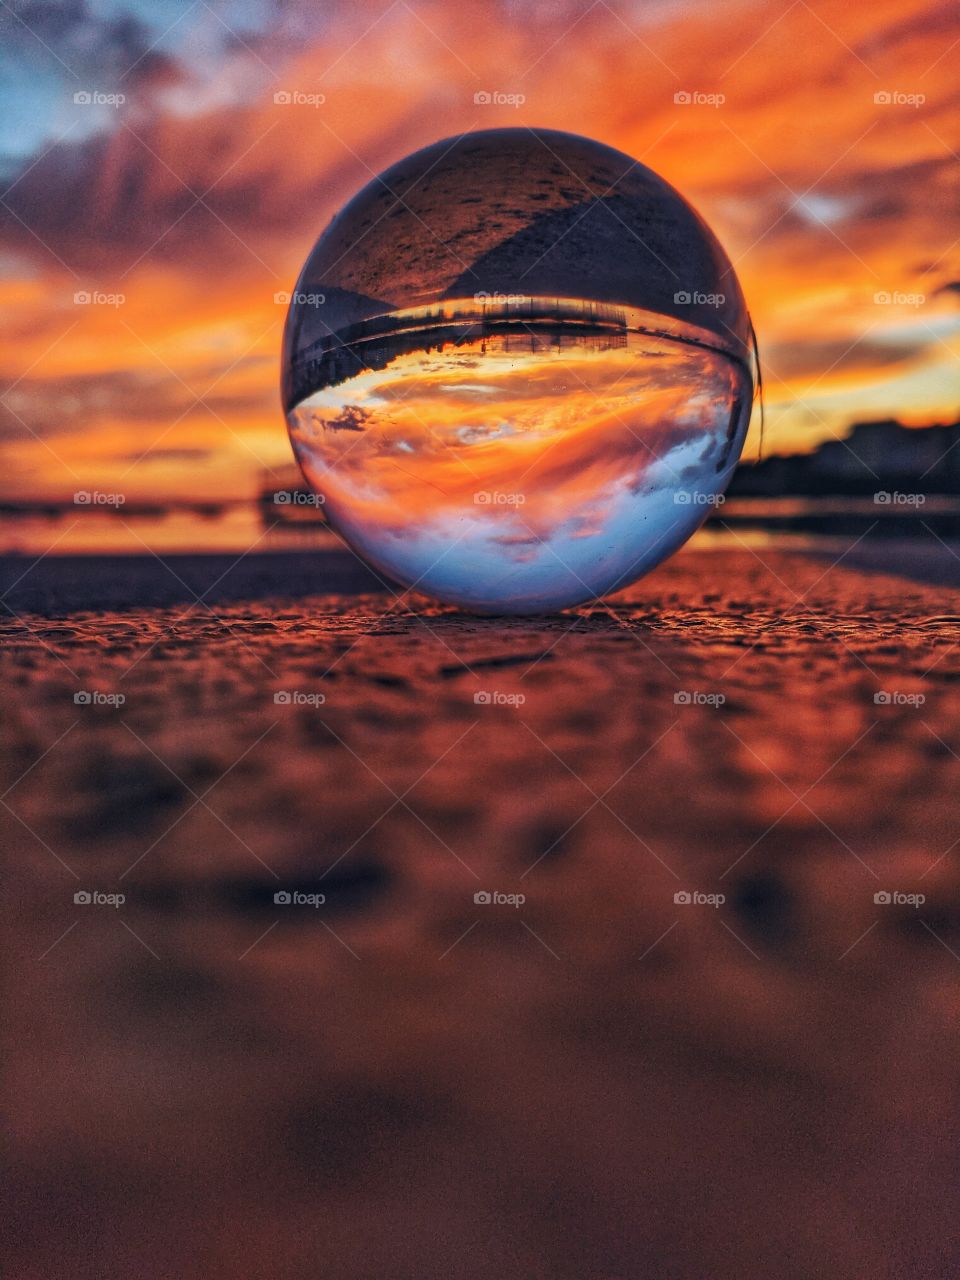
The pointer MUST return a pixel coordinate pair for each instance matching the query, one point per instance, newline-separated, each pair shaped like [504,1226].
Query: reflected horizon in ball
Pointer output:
[513,447]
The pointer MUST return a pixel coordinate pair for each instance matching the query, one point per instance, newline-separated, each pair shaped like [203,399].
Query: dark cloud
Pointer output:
[928,188]
[101,204]
[60,405]
[813,358]
[942,18]
[103,50]
[161,455]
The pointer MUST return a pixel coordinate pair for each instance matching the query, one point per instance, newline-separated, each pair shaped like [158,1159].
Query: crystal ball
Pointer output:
[518,369]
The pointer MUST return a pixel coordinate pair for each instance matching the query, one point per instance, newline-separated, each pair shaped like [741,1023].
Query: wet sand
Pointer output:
[601,1083]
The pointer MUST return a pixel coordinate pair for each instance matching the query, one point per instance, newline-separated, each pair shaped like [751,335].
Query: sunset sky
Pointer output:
[183,209]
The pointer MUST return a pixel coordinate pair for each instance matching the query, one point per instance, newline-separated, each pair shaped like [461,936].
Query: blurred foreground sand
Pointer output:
[599,1084]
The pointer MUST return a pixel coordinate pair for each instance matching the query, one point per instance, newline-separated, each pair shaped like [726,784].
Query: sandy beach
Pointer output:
[600,1082]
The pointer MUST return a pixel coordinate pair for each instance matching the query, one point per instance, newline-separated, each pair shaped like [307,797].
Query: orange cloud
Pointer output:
[199,213]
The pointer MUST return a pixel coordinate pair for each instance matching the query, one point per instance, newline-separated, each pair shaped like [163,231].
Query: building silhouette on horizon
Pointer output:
[876,455]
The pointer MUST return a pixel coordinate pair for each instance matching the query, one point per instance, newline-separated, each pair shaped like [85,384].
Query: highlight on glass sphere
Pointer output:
[518,368]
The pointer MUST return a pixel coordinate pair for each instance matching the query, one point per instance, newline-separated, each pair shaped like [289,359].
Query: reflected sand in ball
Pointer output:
[518,368]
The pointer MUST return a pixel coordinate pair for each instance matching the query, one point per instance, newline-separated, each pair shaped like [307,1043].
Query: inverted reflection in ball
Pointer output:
[517,366]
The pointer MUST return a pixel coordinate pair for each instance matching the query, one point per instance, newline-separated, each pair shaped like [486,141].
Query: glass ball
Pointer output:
[518,368]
